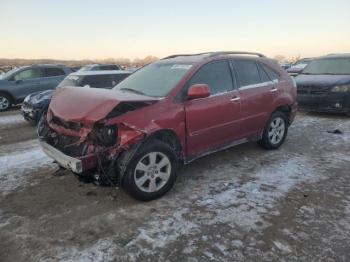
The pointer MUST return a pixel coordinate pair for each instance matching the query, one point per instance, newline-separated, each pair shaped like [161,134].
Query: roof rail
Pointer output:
[173,56]
[235,53]
[211,54]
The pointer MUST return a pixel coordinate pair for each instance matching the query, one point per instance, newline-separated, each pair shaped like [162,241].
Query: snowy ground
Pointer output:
[243,204]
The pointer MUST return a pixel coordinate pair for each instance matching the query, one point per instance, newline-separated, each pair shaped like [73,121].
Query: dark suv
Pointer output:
[169,112]
[324,85]
[95,67]
[16,84]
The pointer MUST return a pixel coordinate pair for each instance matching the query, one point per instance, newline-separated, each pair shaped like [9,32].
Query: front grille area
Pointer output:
[66,124]
[313,90]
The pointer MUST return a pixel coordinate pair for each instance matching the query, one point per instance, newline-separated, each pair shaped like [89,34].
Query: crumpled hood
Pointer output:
[322,80]
[89,105]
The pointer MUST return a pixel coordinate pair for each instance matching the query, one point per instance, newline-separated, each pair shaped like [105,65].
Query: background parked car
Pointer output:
[95,67]
[34,105]
[299,66]
[16,84]
[324,85]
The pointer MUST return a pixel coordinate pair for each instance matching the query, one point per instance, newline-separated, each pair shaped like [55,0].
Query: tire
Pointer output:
[5,102]
[275,131]
[145,177]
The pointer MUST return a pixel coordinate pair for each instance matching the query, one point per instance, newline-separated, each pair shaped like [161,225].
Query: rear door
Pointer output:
[257,93]
[213,121]
[52,76]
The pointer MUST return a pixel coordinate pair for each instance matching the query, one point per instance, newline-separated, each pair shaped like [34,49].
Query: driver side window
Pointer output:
[217,75]
[28,74]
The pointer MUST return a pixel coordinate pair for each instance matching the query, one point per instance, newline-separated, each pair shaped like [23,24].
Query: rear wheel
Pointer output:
[151,172]
[275,131]
[5,102]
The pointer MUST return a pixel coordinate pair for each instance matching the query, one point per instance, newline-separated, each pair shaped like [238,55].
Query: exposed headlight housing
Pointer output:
[341,89]
[106,135]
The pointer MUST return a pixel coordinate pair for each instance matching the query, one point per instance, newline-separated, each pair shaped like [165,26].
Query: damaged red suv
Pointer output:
[169,112]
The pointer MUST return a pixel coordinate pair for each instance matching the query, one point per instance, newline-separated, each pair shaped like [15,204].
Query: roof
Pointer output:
[340,55]
[100,72]
[194,58]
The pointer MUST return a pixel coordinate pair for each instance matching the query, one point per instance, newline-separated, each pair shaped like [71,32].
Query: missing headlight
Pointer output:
[106,135]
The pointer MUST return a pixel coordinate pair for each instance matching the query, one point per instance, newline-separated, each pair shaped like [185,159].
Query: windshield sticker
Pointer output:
[184,67]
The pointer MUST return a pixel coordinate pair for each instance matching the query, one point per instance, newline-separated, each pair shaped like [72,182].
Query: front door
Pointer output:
[212,122]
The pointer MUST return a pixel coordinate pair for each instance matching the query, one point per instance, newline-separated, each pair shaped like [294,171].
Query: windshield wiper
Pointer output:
[132,90]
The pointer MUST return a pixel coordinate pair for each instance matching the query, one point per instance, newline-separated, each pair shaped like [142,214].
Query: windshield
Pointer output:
[155,80]
[330,66]
[70,80]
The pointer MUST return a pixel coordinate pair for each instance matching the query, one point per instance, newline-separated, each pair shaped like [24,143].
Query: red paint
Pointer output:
[200,124]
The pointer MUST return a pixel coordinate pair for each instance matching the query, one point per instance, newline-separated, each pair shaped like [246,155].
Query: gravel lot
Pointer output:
[242,204]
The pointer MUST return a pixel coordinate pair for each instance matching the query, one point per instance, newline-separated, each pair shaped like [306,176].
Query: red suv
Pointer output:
[169,112]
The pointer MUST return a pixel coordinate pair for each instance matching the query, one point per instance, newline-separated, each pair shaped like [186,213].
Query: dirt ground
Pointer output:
[242,204]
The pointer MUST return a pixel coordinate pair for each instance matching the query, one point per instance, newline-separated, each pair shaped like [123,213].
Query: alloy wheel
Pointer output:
[152,172]
[276,131]
[4,103]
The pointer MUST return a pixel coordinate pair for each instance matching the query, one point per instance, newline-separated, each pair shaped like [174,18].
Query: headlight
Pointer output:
[27,98]
[341,89]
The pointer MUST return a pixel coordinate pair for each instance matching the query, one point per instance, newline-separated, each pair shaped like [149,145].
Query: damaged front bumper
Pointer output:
[77,165]
[71,163]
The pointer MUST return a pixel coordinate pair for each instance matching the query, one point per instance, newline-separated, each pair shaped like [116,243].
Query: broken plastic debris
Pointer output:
[335,131]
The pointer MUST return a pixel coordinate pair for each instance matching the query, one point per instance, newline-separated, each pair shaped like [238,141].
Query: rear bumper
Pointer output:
[71,163]
[329,102]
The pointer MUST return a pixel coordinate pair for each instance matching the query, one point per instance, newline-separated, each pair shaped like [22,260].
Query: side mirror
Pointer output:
[18,81]
[198,91]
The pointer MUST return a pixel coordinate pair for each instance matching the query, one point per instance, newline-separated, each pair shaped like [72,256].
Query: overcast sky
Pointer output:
[76,29]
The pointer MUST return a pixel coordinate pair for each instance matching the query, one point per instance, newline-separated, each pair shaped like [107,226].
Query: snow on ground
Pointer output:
[225,197]
[20,164]
[10,120]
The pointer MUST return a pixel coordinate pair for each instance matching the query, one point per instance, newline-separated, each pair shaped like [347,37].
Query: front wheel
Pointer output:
[275,131]
[151,172]
[5,102]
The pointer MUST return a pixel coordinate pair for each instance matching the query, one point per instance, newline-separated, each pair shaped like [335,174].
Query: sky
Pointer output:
[90,29]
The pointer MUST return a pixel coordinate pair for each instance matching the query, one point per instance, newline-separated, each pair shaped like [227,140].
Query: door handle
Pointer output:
[273,90]
[235,99]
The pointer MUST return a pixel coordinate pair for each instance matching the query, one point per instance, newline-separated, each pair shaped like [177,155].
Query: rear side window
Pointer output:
[51,71]
[216,75]
[248,73]
[109,67]
[98,81]
[271,73]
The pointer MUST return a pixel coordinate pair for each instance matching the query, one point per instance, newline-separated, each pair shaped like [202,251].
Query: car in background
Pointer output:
[34,105]
[285,65]
[299,66]
[16,84]
[95,67]
[324,85]
[169,112]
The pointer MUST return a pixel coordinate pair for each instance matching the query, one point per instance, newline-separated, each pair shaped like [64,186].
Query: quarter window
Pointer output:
[216,75]
[28,74]
[271,73]
[263,74]
[248,73]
